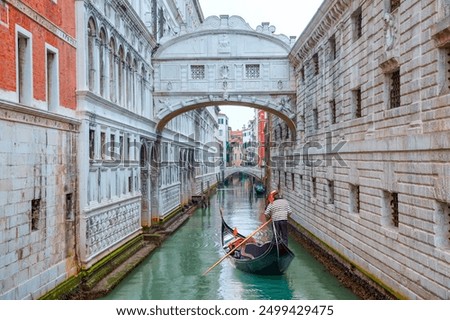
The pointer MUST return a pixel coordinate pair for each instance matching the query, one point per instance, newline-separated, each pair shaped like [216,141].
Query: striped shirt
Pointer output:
[278,210]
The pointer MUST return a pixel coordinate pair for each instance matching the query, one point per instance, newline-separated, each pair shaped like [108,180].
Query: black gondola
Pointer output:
[268,258]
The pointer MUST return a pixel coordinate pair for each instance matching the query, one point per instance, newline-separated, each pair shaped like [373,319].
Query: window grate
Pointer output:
[330,192]
[198,72]
[394,208]
[252,71]
[333,47]
[357,21]
[314,187]
[316,63]
[448,68]
[395,4]
[358,102]
[333,111]
[35,213]
[395,89]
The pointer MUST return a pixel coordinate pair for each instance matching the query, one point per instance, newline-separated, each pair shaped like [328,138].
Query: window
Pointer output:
[393,203]
[333,48]
[356,101]
[316,63]
[252,71]
[330,191]
[332,106]
[103,144]
[285,179]
[313,187]
[357,24]
[198,72]
[92,33]
[394,90]
[442,222]
[69,206]
[91,144]
[52,79]
[35,214]
[315,119]
[302,75]
[220,121]
[24,67]
[293,181]
[354,199]
[395,4]
[112,148]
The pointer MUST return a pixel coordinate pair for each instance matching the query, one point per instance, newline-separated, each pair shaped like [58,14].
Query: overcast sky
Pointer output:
[290,17]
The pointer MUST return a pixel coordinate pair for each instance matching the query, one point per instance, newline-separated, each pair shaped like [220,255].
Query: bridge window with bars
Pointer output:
[395,89]
[252,71]
[198,72]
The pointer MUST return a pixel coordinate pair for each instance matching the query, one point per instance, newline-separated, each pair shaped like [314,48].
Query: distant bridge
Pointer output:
[258,173]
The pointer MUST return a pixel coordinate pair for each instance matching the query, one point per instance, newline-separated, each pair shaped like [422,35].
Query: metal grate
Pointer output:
[333,47]
[394,208]
[358,102]
[395,89]
[357,21]
[252,71]
[448,67]
[330,192]
[314,187]
[198,72]
[395,4]
[35,213]
[333,111]
[316,63]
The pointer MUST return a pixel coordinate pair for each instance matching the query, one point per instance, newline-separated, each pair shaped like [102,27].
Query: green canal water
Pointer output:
[174,271]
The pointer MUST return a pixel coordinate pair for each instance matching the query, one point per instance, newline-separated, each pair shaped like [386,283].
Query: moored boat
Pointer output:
[268,258]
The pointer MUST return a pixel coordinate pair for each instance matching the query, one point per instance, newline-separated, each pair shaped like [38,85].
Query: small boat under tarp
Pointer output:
[268,258]
[260,189]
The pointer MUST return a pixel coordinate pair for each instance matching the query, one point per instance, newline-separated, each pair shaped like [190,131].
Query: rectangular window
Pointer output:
[356,101]
[130,184]
[91,144]
[333,48]
[393,203]
[35,214]
[285,179]
[252,71]
[198,72]
[442,223]
[355,205]
[69,206]
[121,148]
[293,181]
[394,92]
[313,187]
[332,105]
[357,24]
[302,75]
[103,144]
[330,191]
[315,119]
[24,67]
[220,121]
[52,79]
[395,4]
[112,148]
[316,63]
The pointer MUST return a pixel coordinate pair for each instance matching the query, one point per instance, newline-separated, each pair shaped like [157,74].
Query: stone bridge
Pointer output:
[258,173]
[224,62]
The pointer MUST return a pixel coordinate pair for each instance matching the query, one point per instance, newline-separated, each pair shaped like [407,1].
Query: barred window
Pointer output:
[252,71]
[333,47]
[357,24]
[395,4]
[35,214]
[316,63]
[198,72]
[395,89]
[394,208]
[357,104]
[355,205]
[333,111]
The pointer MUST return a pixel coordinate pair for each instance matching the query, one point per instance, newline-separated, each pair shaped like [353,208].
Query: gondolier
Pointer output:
[279,210]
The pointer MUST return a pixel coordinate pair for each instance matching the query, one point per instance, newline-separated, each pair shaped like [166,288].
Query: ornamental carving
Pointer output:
[390,30]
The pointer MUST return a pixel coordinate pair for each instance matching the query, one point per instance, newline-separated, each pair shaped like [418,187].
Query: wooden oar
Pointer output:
[240,244]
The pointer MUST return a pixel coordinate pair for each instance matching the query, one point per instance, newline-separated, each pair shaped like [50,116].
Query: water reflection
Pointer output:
[174,271]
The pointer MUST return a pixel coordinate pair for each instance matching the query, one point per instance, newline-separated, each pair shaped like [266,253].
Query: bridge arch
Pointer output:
[224,62]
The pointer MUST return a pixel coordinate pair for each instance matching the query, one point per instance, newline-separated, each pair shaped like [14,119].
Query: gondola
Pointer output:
[268,258]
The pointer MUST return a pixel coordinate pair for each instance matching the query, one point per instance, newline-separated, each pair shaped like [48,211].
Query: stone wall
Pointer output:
[376,189]
[38,211]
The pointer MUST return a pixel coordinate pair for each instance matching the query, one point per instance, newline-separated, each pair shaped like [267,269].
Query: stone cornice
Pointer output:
[326,17]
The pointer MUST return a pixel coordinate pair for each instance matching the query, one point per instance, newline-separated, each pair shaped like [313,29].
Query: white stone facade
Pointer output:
[372,105]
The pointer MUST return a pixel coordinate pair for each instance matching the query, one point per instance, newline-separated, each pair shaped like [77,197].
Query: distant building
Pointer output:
[236,142]
[223,134]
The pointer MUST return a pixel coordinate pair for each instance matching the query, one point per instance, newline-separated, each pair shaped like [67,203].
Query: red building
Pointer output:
[261,137]
[38,44]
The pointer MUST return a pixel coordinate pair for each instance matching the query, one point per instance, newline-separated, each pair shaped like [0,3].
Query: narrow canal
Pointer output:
[174,271]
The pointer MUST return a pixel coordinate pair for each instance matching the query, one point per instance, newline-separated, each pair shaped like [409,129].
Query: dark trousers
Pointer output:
[281,229]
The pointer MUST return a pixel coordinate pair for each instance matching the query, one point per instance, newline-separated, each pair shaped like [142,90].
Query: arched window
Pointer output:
[143,89]
[92,33]
[128,92]
[102,61]
[134,85]
[120,79]
[112,70]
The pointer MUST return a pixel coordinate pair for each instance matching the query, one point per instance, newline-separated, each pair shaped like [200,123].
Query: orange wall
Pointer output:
[61,14]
